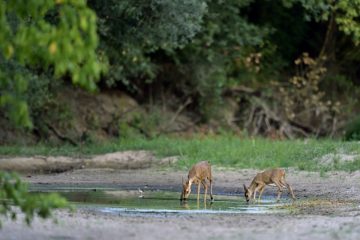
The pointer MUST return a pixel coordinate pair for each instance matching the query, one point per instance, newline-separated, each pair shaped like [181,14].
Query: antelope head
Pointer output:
[186,190]
[247,193]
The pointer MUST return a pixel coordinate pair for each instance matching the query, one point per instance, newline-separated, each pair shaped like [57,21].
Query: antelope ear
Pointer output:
[245,188]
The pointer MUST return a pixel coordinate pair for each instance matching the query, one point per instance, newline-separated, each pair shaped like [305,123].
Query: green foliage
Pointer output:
[37,94]
[214,58]
[191,49]
[184,49]
[318,9]
[13,192]
[147,122]
[352,130]
[125,131]
[205,39]
[346,13]
[12,92]
[199,48]
[131,30]
[210,85]
[60,34]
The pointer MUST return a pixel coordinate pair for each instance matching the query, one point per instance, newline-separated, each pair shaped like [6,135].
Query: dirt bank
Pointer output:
[115,160]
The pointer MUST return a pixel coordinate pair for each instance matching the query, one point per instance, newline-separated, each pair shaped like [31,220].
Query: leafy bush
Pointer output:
[132,30]
[352,130]
[12,91]
[40,36]
[13,192]
[33,35]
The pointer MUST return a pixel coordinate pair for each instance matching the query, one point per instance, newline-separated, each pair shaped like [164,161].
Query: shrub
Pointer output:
[13,192]
[352,130]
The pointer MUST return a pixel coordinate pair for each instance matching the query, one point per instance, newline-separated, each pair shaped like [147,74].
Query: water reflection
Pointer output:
[199,205]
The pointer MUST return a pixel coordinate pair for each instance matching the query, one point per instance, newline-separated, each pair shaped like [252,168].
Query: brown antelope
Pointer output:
[198,174]
[269,177]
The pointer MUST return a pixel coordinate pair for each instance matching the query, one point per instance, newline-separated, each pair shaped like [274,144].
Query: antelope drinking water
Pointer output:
[269,177]
[198,174]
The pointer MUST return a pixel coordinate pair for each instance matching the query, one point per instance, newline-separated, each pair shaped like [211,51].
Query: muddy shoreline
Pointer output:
[331,185]
[329,208]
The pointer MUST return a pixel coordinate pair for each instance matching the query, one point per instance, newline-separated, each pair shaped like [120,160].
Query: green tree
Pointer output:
[14,192]
[57,35]
[197,49]
[201,41]
[131,31]
[213,60]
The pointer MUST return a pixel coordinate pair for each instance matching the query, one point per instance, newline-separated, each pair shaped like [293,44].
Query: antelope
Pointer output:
[198,174]
[269,177]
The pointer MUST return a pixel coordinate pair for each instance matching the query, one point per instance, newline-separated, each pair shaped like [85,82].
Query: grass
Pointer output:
[223,150]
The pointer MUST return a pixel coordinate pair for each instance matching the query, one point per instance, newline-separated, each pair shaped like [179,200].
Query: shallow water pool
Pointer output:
[113,201]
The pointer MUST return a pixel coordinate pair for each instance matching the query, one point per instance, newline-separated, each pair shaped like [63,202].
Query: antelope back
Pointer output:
[201,170]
